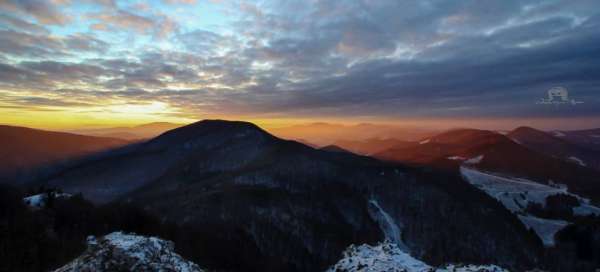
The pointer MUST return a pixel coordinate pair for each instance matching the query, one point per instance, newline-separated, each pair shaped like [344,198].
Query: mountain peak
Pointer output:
[526,129]
[524,133]
[211,128]
[219,125]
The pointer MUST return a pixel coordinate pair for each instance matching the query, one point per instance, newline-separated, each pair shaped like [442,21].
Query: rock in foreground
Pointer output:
[126,252]
[388,257]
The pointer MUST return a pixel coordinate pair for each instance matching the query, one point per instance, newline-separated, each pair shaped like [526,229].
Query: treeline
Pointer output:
[47,238]
[577,247]
[44,239]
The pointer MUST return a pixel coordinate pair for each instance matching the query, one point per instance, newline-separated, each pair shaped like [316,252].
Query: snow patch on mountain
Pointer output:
[544,228]
[558,134]
[585,209]
[514,193]
[128,252]
[474,160]
[387,256]
[389,228]
[425,141]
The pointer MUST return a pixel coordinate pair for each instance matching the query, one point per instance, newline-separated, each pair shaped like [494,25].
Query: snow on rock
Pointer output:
[424,141]
[457,158]
[577,160]
[39,200]
[128,252]
[544,228]
[474,160]
[383,257]
[472,268]
[35,200]
[388,257]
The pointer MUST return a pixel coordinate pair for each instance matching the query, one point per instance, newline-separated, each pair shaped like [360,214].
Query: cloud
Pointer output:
[19,24]
[174,2]
[125,20]
[22,44]
[42,11]
[160,26]
[319,58]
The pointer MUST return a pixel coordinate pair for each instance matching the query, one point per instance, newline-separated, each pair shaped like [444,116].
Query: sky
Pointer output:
[67,63]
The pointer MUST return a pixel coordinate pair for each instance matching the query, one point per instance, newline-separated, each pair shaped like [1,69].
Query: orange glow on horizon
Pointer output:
[132,115]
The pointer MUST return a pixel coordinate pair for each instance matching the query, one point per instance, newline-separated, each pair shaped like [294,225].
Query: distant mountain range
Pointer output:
[141,132]
[524,152]
[322,134]
[561,146]
[545,180]
[258,202]
[372,145]
[23,148]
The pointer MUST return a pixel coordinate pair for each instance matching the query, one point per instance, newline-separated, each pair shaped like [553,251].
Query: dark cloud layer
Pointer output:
[317,58]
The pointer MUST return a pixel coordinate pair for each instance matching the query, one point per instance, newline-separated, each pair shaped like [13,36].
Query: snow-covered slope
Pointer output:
[516,194]
[389,228]
[544,228]
[127,252]
[388,257]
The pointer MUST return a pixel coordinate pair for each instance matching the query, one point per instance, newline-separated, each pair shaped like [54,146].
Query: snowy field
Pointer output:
[516,194]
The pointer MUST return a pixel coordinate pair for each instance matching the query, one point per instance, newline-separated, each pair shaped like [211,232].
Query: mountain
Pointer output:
[558,147]
[128,252]
[144,131]
[257,202]
[449,149]
[331,133]
[546,192]
[494,152]
[24,149]
[588,138]
[334,148]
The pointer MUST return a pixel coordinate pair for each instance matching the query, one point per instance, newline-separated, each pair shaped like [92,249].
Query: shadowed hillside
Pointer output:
[24,149]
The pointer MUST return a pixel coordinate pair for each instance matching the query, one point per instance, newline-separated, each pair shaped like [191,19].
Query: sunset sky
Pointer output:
[67,63]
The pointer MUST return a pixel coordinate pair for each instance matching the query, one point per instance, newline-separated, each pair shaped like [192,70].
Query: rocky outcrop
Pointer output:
[127,252]
[387,256]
